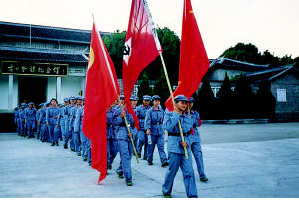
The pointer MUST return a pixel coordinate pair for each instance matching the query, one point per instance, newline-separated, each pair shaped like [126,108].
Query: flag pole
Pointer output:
[155,35]
[128,129]
[171,94]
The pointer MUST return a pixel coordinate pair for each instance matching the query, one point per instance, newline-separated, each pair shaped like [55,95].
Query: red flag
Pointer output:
[194,61]
[101,91]
[141,48]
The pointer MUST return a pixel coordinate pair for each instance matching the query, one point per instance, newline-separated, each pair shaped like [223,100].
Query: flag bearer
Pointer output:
[51,120]
[112,144]
[176,156]
[62,117]
[154,130]
[30,115]
[68,133]
[75,136]
[195,142]
[141,112]
[38,113]
[124,144]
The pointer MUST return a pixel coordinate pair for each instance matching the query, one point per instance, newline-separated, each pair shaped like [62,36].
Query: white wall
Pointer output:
[51,88]
[71,86]
[4,92]
[15,100]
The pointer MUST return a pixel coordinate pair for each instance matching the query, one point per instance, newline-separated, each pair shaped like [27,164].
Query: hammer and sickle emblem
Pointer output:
[127,50]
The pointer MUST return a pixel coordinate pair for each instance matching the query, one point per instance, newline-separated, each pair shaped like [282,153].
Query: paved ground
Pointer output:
[254,160]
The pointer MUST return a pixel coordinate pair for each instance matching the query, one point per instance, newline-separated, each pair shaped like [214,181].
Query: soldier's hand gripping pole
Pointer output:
[171,94]
[128,129]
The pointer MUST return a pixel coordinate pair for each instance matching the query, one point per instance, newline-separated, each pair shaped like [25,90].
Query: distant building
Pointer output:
[283,82]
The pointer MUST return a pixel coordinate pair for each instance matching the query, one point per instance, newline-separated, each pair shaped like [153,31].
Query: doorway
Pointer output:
[32,89]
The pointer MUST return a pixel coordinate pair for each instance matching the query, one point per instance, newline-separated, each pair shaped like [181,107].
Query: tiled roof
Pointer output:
[14,30]
[42,55]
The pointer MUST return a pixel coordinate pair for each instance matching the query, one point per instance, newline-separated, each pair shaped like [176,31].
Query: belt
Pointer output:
[109,125]
[178,134]
[158,123]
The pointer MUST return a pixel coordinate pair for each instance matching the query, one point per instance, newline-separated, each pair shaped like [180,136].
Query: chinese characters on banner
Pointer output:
[31,68]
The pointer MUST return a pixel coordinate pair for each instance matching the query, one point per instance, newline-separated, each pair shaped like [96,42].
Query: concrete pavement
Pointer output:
[240,161]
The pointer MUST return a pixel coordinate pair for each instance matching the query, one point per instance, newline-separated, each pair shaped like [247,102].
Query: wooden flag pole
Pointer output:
[171,94]
[128,129]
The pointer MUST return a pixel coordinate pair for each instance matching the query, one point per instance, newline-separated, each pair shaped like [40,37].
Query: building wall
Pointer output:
[71,86]
[288,85]
[219,74]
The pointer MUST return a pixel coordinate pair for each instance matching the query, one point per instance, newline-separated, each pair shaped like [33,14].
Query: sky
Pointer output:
[268,24]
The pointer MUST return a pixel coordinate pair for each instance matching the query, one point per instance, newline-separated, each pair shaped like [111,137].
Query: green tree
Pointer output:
[205,100]
[226,100]
[266,102]
[161,88]
[144,87]
[245,99]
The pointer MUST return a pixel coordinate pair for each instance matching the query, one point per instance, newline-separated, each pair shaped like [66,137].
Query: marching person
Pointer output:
[62,117]
[78,130]
[112,144]
[16,119]
[75,136]
[195,141]
[43,125]
[134,100]
[68,133]
[124,144]
[142,139]
[30,114]
[38,113]
[51,121]
[154,130]
[22,119]
[176,156]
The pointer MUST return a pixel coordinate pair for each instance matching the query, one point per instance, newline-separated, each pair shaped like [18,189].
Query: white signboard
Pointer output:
[281,95]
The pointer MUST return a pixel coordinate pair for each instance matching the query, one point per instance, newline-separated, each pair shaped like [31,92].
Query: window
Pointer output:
[281,95]
[215,90]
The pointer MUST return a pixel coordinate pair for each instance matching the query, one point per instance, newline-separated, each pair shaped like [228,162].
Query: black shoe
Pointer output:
[79,154]
[72,149]
[57,144]
[43,140]
[165,164]
[52,144]
[89,164]
[150,163]
[109,167]
[129,183]
[33,136]
[85,159]
[204,179]
[60,139]
[167,196]
[120,175]
[65,146]
[139,155]
[144,158]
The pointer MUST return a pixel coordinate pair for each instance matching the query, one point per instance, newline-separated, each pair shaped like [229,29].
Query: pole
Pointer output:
[171,94]
[128,129]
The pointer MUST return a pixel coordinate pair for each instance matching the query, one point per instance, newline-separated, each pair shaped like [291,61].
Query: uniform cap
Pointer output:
[180,98]
[147,97]
[72,98]
[133,98]
[191,99]
[66,99]
[31,103]
[23,104]
[156,97]
[79,98]
[41,104]
[122,97]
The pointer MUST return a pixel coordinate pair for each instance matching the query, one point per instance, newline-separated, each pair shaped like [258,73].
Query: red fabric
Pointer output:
[140,50]
[199,122]
[194,61]
[101,91]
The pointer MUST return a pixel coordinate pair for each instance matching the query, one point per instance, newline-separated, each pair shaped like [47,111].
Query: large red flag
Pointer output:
[101,91]
[141,48]
[194,61]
